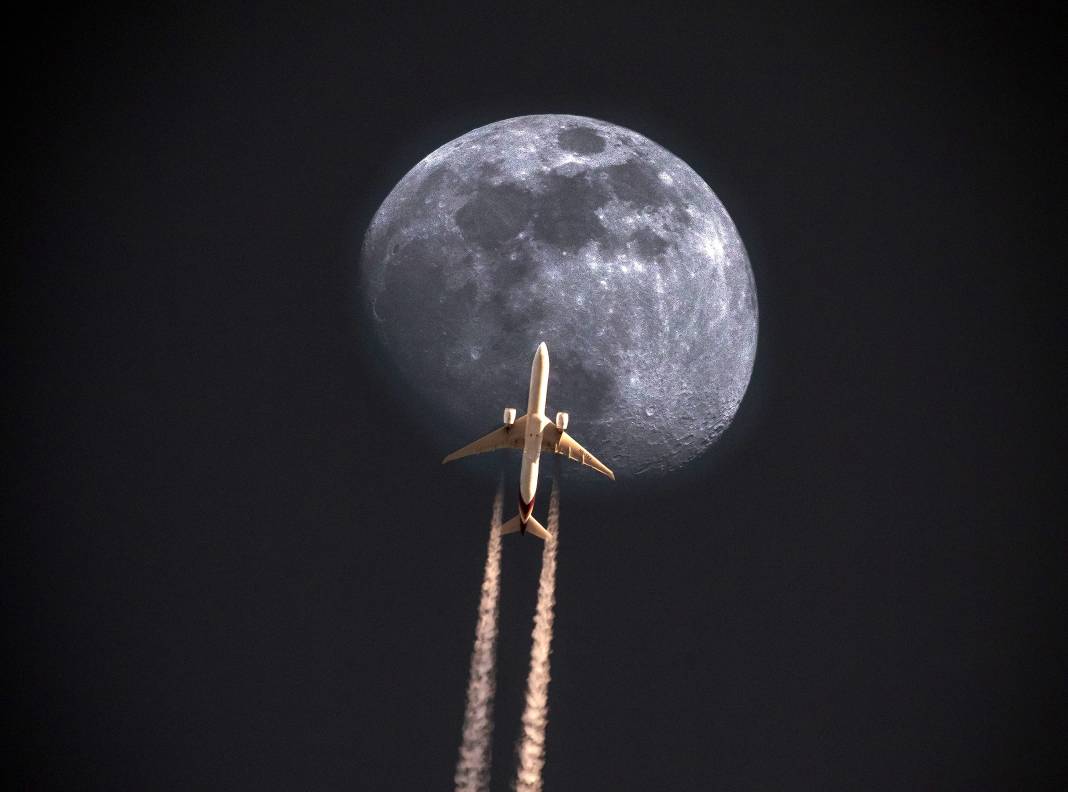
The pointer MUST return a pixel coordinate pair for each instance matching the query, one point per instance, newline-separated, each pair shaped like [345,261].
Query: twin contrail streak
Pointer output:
[531,747]
[473,766]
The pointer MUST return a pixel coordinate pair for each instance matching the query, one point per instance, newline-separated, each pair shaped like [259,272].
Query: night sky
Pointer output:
[233,561]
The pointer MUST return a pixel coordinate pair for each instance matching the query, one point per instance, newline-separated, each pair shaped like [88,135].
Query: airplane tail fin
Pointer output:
[536,528]
[533,527]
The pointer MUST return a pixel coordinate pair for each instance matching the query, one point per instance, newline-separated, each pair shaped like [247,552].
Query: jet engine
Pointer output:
[509,416]
[561,421]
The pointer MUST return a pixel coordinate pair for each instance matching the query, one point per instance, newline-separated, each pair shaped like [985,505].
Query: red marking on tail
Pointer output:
[525,510]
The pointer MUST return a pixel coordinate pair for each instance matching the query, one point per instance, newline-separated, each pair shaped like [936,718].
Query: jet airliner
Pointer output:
[533,433]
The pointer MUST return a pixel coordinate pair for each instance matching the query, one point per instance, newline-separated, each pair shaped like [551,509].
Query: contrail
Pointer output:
[531,746]
[473,766]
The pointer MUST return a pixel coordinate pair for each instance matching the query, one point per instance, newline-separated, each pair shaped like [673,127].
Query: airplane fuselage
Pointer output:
[532,433]
[536,422]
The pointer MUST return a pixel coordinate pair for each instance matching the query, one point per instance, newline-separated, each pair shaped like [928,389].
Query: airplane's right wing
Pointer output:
[504,437]
[560,442]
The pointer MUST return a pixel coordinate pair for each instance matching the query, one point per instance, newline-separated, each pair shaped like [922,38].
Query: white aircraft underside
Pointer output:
[533,433]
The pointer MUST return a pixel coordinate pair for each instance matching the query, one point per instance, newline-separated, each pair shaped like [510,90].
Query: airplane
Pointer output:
[533,433]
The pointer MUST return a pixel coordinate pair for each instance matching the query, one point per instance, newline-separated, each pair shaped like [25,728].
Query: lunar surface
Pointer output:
[591,238]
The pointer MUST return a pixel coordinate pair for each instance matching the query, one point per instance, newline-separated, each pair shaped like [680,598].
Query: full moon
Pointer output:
[587,236]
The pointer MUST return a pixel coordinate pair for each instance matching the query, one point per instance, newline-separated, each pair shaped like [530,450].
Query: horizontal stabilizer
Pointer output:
[534,527]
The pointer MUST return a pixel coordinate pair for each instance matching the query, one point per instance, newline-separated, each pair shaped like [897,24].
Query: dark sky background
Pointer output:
[235,563]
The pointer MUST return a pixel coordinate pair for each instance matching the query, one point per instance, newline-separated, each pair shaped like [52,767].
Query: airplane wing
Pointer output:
[560,442]
[504,437]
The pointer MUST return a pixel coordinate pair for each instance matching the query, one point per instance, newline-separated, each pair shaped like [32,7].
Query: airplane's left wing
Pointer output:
[504,437]
[560,442]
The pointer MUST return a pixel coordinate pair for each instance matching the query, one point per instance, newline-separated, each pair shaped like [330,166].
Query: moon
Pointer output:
[587,236]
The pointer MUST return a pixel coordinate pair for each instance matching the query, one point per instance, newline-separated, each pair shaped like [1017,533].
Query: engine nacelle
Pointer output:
[561,421]
[509,416]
